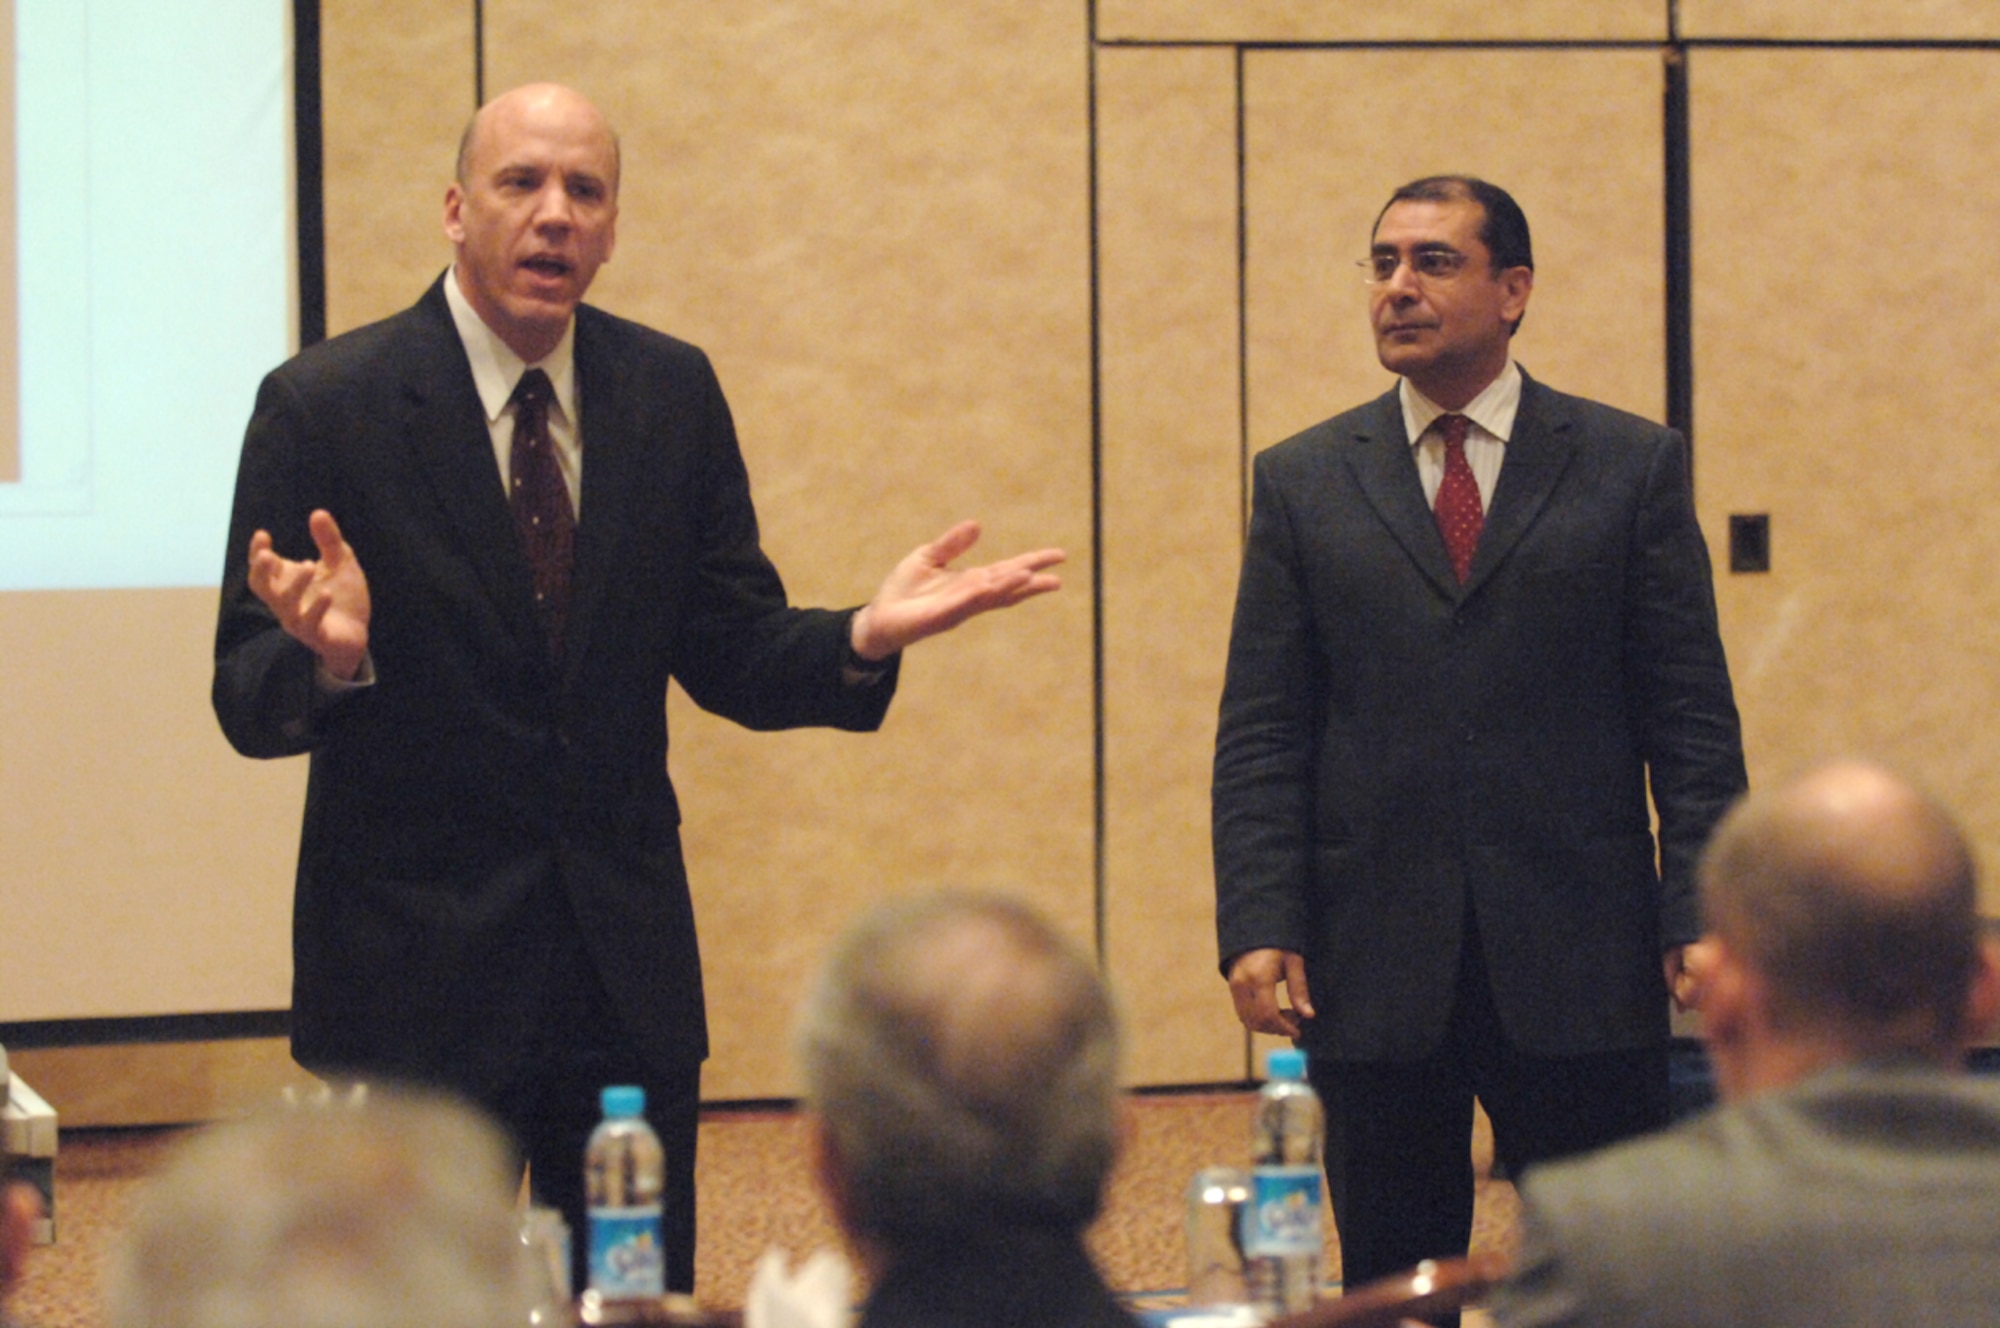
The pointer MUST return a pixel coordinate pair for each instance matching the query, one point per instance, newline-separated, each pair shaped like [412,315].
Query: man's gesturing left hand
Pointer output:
[925,595]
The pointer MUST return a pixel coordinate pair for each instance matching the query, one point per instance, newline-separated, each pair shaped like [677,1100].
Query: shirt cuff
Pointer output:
[327,685]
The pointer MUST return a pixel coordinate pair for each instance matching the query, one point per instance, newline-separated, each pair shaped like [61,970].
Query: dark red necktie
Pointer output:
[1459,514]
[540,500]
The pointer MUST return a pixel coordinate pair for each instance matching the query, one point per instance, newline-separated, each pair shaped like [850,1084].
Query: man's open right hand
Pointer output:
[322,603]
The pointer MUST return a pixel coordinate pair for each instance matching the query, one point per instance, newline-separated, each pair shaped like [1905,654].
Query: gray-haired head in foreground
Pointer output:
[1853,893]
[394,1211]
[963,1056]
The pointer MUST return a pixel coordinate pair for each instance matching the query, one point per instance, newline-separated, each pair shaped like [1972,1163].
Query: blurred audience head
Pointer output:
[389,1209]
[961,1057]
[1842,917]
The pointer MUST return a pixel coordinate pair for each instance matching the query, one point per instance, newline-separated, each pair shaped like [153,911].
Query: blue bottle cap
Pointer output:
[624,1100]
[1286,1063]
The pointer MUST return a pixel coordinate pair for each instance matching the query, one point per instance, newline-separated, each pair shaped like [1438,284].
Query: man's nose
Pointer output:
[1402,283]
[552,206]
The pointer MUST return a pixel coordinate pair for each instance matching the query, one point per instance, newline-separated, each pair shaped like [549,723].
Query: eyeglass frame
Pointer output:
[1454,261]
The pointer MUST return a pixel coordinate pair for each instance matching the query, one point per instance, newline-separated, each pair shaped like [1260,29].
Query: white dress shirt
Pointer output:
[495,371]
[1492,414]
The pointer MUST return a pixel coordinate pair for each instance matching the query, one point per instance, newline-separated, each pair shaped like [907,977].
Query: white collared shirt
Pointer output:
[495,371]
[1492,414]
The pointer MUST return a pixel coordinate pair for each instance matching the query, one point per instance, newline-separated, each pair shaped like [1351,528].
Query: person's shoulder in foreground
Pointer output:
[1852,1174]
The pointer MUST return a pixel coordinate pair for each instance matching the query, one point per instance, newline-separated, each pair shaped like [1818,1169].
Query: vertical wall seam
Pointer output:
[1678,167]
[1243,377]
[1100,885]
[309,171]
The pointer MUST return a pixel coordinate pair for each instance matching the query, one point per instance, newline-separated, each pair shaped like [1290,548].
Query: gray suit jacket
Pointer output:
[1393,745]
[475,799]
[1864,1196]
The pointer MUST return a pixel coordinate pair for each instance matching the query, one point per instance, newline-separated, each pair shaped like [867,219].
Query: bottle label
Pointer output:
[626,1261]
[1282,1216]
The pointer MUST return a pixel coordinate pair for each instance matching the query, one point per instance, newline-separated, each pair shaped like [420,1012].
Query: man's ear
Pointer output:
[454,205]
[1727,1003]
[1517,283]
[1982,997]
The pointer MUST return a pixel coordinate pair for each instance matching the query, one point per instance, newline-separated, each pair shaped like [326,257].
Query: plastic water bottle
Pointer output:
[1283,1225]
[623,1169]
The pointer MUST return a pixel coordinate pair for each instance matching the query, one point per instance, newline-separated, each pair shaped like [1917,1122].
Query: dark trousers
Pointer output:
[1399,1133]
[553,1107]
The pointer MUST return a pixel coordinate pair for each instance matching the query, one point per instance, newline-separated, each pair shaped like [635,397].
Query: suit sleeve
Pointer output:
[745,653]
[1690,734]
[264,690]
[1272,695]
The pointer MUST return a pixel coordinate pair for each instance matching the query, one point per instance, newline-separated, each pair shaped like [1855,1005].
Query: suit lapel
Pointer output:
[608,430]
[1379,458]
[447,428]
[1537,455]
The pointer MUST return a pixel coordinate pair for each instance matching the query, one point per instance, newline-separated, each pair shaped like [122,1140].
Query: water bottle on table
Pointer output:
[623,1170]
[1283,1236]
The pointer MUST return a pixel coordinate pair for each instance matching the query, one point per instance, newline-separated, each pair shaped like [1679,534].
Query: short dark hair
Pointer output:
[1504,232]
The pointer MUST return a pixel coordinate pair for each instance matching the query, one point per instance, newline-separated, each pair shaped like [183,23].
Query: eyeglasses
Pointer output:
[1430,264]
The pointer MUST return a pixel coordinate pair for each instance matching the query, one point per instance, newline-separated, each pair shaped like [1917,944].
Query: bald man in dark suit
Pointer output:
[490,890]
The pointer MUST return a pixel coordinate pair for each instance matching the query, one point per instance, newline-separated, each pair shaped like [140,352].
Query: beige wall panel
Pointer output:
[1574,135]
[875,218]
[1843,206]
[396,88]
[142,789]
[1172,504]
[1381,20]
[1840,20]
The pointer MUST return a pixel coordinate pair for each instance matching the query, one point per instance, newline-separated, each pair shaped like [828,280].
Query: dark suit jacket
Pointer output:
[1393,747]
[1865,1195]
[1021,1278]
[461,805]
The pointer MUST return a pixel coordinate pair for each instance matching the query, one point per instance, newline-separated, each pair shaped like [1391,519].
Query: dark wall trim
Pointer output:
[1100,895]
[149,1028]
[309,157]
[1679,256]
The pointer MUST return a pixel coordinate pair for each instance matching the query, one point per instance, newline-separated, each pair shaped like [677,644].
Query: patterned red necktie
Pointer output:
[540,499]
[1459,514]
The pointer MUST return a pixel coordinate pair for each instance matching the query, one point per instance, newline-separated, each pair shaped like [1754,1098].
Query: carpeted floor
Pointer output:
[754,1194]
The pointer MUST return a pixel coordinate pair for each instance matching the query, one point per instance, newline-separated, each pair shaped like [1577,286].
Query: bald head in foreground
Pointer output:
[1852,1174]
[961,1061]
